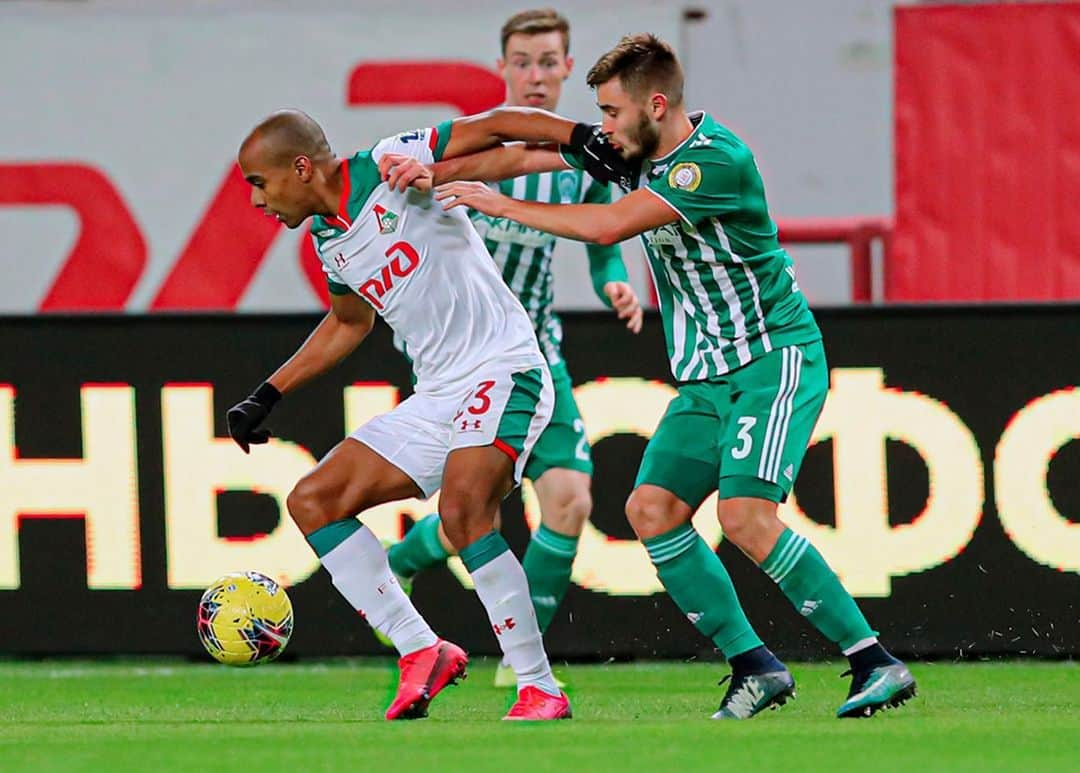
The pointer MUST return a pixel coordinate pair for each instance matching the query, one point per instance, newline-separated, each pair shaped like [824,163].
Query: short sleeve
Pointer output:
[572,158]
[703,184]
[334,282]
[425,145]
[596,192]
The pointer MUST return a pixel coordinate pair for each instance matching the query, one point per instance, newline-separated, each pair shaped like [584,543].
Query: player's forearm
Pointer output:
[330,343]
[501,163]
[475,133]
[582,222]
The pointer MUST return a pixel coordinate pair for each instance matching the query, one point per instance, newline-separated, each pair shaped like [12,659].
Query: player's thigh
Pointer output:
[778,399]
[563,445]
[682,457]
[350,479]
[414,438]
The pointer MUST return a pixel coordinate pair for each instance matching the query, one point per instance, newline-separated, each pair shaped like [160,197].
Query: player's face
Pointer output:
[629,123]
[534,68]
[279,191]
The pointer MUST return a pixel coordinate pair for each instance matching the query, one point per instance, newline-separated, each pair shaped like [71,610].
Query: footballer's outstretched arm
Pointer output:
[348,322]
[474,133]
[633,214]
[500,163]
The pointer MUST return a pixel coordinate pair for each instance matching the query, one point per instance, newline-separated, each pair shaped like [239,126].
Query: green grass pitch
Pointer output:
[169,715]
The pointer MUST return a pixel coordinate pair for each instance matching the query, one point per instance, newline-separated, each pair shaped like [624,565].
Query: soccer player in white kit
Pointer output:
[482,398]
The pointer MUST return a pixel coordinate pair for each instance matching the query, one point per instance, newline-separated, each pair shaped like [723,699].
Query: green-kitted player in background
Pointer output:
[535,62]
[743,345]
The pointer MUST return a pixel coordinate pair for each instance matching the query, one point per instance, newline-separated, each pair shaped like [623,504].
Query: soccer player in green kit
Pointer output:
[535,62]
[743,346]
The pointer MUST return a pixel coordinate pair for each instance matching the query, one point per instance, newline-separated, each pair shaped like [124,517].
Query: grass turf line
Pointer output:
[165,715]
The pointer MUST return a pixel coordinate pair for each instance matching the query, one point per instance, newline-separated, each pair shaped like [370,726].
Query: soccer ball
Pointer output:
[244,619]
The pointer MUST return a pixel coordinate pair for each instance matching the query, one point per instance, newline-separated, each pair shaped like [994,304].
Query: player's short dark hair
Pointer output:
[644,64]
[536,21]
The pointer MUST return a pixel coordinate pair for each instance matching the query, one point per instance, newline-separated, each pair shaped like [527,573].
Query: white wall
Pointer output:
[159,100]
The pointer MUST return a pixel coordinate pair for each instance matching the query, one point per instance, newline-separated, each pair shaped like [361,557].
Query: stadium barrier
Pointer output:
[941,485]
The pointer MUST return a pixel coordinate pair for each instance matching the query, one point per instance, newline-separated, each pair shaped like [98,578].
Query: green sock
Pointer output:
[548,561]
[698,583]
[421,548]
[815,590]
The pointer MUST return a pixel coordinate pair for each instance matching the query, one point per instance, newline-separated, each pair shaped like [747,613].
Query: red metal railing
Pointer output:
[859,233]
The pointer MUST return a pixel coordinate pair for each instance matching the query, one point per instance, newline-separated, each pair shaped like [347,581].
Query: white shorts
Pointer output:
[506,406]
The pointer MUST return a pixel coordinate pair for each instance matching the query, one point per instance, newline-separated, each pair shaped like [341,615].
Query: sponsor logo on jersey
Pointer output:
[403,261]
[386,219]
[685,176]
[664,236]
[499,229]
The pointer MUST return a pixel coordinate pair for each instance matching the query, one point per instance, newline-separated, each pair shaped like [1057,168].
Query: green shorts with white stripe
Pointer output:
[744,433]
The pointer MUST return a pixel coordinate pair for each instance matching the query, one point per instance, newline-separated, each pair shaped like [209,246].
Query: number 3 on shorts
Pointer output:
[483,402]
[746,423]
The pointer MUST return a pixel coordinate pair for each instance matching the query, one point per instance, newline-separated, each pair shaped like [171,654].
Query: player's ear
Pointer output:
[500,65]
[303,168]
[569,66]
[658,104]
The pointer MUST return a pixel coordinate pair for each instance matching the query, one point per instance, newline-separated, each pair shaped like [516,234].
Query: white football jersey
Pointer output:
[424,270]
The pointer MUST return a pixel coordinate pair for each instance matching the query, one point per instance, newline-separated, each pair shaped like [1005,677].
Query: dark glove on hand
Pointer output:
[603,162]
[245,417]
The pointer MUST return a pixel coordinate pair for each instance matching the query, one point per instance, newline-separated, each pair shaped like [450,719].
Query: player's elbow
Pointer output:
[606,233]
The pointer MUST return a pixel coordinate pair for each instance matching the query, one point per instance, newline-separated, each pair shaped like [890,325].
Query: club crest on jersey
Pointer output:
[685,176]
[386,219]
[567,186]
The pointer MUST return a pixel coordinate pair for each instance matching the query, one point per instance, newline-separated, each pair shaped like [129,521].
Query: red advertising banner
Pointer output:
[987,153]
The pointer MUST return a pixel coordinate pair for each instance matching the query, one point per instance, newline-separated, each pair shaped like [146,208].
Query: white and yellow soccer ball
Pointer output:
[244,619]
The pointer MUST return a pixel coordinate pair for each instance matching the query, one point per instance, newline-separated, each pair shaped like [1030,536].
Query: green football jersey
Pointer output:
[726,287]
[523,254]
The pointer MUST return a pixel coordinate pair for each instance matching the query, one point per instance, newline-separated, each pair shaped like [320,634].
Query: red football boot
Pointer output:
[424,674]
[535,704]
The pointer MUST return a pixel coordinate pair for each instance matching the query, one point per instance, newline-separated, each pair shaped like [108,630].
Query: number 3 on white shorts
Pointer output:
[746,423]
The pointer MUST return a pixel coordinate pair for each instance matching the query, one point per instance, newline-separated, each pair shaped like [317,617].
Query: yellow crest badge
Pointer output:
[685,176]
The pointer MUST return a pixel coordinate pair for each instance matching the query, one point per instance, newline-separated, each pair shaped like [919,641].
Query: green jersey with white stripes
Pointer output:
[523,254]
[727,289]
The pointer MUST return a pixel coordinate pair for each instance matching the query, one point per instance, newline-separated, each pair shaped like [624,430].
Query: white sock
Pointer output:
[504,591]
[360,571]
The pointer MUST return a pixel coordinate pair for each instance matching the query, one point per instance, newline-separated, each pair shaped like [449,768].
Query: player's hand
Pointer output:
[602,161]
[245,417]
[474,195]
[625,302]
[400,172]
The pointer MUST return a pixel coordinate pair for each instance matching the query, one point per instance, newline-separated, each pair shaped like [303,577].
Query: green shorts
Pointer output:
[563,444]
[744,433]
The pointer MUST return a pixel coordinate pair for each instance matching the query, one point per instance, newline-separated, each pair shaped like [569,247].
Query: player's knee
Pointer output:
[309,506]
[743,519]
[465,516]
[567,515]
[652,511]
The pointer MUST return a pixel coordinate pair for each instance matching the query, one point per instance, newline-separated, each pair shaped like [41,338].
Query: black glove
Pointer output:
[244,417]
[602,161]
